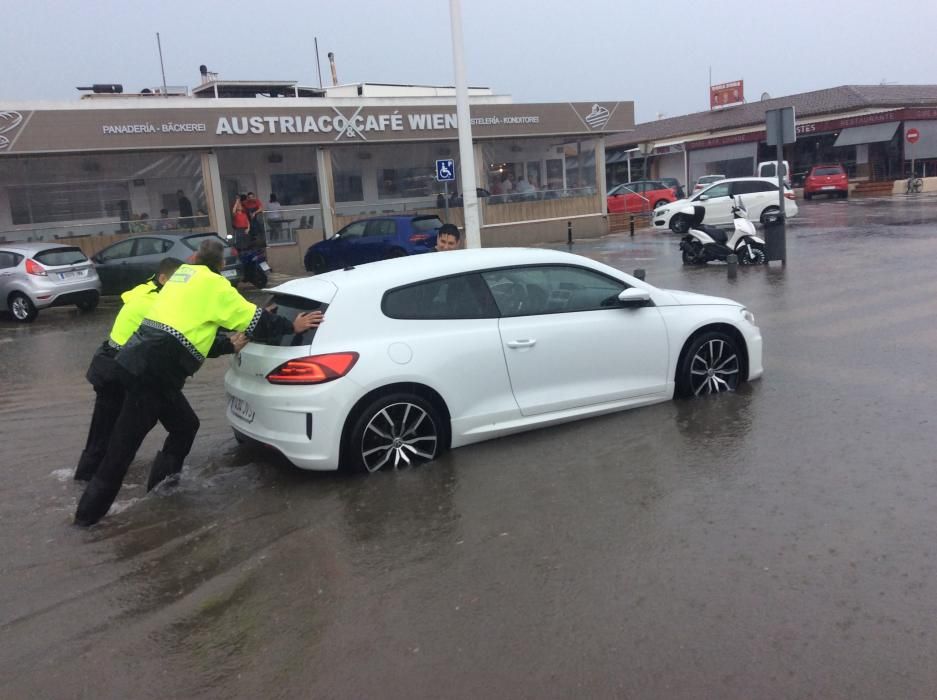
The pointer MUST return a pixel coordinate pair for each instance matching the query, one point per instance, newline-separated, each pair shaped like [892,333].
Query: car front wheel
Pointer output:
[22,308]
[317,264]
[710,365]
[679,224]
[394,431]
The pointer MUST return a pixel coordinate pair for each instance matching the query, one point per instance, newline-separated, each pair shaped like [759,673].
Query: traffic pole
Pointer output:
[466,151]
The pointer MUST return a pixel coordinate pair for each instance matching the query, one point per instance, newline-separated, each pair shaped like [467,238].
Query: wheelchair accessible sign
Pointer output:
[445,170]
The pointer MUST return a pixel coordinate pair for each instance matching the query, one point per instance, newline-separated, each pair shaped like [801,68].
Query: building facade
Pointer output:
[862,127]
[114,165]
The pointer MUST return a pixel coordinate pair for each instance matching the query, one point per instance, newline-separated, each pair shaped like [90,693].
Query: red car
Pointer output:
[826,179]
[639,197]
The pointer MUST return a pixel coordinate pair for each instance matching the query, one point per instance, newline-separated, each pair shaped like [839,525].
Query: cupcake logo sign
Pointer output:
[598,117]
[8,122]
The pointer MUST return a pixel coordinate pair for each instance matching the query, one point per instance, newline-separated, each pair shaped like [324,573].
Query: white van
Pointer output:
[769,169]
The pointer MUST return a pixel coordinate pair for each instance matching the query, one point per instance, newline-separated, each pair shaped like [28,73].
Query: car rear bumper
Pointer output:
[45,293]
[826,189]
[303,423]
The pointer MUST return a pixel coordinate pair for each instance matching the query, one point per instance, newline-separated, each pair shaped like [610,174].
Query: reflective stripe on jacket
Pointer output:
[195,303]
[137,303]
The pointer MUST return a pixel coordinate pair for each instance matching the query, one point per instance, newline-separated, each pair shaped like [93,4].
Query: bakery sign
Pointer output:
[197,126]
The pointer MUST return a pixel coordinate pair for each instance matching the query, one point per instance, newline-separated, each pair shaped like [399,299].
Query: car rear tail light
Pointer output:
[315,369]
[790,195]
[418,237]
[34,268]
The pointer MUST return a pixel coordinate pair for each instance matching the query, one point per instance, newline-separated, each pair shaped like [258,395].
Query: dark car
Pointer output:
[368,240]
[129,262]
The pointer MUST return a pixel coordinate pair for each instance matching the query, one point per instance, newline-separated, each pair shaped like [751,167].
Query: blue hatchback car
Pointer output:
[378,238]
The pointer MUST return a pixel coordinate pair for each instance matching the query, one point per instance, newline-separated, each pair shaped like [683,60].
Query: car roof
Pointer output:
[387,274]
[747,179]
[33,246]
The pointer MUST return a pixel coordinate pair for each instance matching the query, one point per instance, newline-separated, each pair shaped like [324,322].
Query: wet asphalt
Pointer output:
[779,542]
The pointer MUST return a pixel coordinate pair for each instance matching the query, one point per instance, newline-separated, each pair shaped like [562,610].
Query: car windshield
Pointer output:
[288,307]
[427,223]
[193,242]
[834,170]
[60,256]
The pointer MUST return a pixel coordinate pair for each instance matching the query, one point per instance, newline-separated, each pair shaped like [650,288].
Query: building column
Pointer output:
[600,184]
[214,193]
[326,190]
[481,179]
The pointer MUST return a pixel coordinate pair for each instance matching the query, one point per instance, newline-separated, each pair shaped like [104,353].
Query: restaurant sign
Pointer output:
[197,126]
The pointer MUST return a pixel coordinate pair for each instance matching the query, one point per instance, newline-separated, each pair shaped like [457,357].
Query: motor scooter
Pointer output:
[254,266]
[704,243]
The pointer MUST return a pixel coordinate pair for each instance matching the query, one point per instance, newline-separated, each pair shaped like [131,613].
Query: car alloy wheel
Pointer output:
[397,431]
[710,366]
[22,308]
[679,224]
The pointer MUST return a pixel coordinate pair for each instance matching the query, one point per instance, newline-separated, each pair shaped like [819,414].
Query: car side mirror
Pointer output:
[703,197]
[634,297]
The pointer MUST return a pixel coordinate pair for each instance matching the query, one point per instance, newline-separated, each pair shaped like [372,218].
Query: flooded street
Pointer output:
[780,542]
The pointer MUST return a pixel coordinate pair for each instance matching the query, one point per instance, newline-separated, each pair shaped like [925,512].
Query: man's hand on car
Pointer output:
[303,322]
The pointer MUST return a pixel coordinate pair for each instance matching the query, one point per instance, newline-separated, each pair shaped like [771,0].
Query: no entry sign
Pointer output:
[912,135]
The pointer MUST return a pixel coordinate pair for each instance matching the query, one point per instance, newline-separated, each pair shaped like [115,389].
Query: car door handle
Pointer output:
[523,343]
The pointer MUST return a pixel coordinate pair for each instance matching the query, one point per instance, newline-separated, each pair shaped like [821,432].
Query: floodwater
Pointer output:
[780,542]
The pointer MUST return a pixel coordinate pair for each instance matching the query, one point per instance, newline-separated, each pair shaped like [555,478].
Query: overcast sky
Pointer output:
[655,53]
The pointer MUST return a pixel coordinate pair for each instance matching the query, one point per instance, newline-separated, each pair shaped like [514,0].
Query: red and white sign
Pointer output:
[726,94]
[912,135]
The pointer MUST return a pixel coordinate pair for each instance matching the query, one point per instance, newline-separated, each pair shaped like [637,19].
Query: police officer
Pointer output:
[170,346]
[102,373]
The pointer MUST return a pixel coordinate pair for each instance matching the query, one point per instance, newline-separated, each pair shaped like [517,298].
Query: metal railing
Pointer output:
[281,226]
[53,232]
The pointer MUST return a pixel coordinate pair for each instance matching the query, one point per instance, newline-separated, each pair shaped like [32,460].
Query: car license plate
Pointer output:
[265,267]
[230,274]
[828,187]
[241,408]
[68,275]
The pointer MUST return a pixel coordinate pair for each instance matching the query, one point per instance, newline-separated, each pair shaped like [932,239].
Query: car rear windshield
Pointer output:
[834,170]
[60,256]
[193,242]
[288,307]
[428,223]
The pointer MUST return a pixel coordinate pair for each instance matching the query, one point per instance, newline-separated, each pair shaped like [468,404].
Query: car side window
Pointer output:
[148,246]
[382,227]
[118,251]
[459,296]
[717,191]
[355,230]
[8,260]
[550,289]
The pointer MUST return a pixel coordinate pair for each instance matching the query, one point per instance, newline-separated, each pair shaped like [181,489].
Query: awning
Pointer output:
[873,133]
[620,156]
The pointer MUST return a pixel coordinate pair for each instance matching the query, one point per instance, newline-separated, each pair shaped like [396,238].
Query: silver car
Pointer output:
[35,276]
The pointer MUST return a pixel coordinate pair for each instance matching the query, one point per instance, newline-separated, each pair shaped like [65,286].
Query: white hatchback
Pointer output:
[435,351]
[759,194]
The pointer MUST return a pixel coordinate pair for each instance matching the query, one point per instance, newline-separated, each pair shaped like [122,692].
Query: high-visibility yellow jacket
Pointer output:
[194,303]
[137,303]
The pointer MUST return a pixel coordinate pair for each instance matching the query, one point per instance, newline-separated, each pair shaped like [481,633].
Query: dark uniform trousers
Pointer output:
[109,398]
[147,401]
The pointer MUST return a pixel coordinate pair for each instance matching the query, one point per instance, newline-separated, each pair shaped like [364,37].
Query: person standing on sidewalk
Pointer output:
[171,344]
[102,373]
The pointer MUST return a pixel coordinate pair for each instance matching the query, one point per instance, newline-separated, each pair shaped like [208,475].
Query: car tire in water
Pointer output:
[22,308]
[711,364]
[394,431]
[89,304]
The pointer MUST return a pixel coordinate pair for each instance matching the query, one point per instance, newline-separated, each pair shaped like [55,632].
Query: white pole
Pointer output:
[466,152]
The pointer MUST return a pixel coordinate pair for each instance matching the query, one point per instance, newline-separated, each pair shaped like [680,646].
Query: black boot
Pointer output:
[95,502]
[165,467]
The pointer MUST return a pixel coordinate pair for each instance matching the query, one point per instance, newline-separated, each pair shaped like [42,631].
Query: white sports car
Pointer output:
[438,351]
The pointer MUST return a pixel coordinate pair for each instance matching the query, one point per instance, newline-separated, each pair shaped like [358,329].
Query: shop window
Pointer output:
[397,183]
[295,188]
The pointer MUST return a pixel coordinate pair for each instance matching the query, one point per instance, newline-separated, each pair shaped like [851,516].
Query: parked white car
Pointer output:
[429,352]
[759,194]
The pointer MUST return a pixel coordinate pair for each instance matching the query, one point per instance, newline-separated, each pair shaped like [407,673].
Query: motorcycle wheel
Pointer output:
[693,254]
[260,278]
[757,256]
